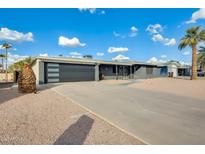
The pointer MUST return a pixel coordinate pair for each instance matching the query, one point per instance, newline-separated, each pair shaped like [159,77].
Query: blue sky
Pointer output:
[135,34]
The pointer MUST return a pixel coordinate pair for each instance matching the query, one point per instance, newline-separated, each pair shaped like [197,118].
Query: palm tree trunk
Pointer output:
[194,63]
[6,66]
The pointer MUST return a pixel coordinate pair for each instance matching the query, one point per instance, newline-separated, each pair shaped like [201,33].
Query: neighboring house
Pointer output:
[176,69]
[60,69]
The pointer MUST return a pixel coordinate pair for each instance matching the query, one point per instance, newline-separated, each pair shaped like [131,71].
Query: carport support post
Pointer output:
[123,72]
[116,72]
[134,68]
[130,72]
[97,72]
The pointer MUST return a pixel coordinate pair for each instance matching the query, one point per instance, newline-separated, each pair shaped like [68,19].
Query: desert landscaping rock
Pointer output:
[177,86]
[48,118]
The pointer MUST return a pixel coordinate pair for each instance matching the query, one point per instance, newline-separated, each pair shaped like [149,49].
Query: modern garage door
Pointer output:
[76,72]
[69,72]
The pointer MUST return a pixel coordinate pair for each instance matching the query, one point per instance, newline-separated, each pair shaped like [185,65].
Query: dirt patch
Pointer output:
[184,87]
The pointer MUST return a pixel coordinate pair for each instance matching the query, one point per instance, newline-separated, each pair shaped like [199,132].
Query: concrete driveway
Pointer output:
[154,117]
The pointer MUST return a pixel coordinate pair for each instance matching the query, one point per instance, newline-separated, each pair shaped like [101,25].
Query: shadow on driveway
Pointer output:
[77,132]
[13,93]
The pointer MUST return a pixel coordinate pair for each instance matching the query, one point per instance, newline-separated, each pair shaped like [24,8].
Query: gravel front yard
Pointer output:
[48,118]
[183,87]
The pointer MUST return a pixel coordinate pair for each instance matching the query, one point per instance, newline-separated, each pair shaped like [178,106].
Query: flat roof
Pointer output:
[89,61]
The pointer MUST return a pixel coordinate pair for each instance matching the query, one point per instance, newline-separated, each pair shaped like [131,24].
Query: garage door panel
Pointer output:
[52,72]
[72,72]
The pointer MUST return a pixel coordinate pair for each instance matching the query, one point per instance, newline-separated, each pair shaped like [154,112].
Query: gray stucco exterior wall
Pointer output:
[97,72]
[41,72]
[38,69]
[142,73]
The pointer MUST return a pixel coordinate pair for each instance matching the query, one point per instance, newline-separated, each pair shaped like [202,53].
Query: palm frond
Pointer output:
[192,37]
[2,56]
[202,35]
[202,49]
[6,45]
[184,42]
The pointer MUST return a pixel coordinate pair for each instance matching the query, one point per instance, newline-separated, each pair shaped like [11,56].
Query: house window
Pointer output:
[149,70]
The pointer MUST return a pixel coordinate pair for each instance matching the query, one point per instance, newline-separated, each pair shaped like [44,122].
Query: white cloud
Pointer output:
[75,55]
[117,49]
[133,32]
[100,54]
[119,35]
[120,58]
[13,35]
[116,34]
[154,29]
[154,60]
[184,63]
[133,29]
[91,10]
[162,61]
[12,58]
[158,37]
[43,54]
[170,42]
[74,42]
[165,41]
[186,53]
[163,56]
[200,14]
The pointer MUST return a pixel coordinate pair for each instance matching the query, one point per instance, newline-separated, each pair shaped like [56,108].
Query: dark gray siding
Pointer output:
[163,71]
[140,72]
[145,72]
[76,72]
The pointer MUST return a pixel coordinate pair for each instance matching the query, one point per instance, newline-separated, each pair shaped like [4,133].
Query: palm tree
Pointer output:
[192,37]
[2,56]
[6,46]
[20,64]
[201,58]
